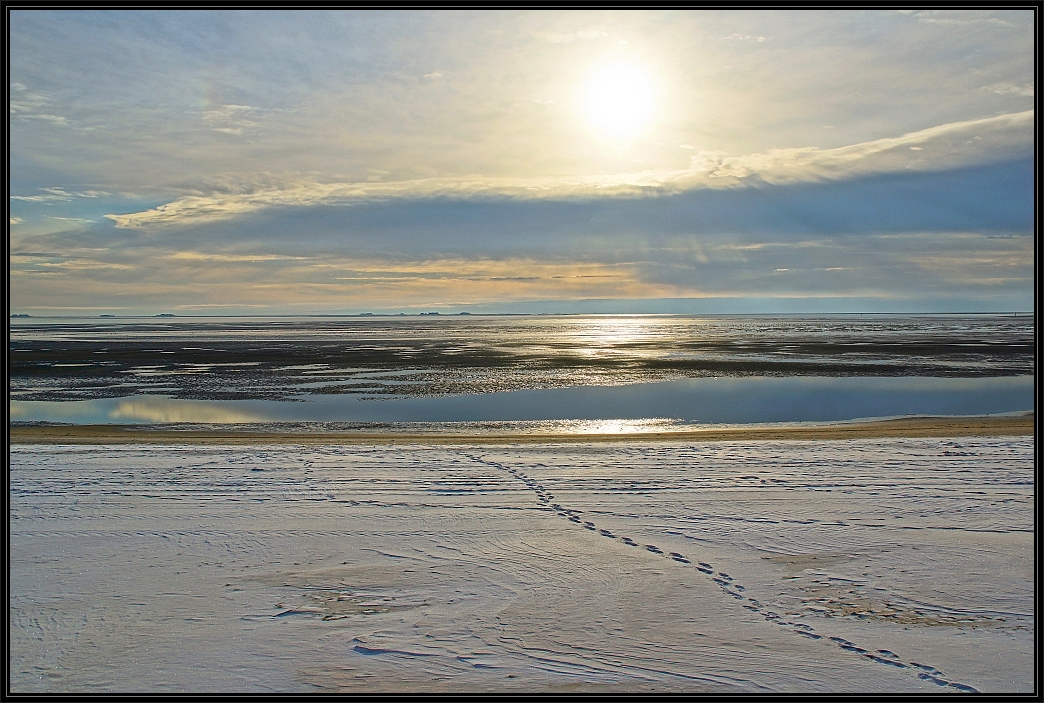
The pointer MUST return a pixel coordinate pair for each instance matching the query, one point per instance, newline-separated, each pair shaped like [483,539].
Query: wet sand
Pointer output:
[984,426]
[268,359]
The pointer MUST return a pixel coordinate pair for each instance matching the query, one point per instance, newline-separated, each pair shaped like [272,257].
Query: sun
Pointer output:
[619,101]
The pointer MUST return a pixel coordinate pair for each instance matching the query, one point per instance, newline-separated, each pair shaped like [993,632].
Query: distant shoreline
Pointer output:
[182,317]
[1020,425]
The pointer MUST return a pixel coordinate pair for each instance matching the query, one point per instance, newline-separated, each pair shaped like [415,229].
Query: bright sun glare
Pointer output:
[619,101]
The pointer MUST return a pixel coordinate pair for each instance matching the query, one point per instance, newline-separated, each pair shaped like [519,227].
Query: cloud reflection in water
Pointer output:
[167,410]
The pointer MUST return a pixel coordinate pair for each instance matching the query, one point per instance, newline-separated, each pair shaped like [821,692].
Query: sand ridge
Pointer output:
[902,427]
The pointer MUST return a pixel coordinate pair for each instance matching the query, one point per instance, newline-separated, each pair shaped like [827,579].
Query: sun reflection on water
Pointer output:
[615,335]
[656,424]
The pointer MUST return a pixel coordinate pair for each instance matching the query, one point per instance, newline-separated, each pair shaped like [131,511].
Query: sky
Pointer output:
[233,162]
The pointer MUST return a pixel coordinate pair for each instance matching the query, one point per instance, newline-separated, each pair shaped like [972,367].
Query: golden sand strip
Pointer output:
[905,427]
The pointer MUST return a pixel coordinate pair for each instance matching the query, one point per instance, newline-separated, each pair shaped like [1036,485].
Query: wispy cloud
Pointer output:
[59,195]
[960,17]
[231,119]
[951,144]
[1010,89]
[570,37]
[43,263]
[944,146]
[227,258]
[31,106]
[757,38]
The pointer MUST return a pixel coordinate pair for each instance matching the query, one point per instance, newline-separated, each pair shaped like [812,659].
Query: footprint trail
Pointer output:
[729,587]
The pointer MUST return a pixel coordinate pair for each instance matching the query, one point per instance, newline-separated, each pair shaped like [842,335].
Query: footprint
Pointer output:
[607,533]
[853,648]
[705,565]
[936,681]
[653,548]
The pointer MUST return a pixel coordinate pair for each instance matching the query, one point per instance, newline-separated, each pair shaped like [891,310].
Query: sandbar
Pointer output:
[985,426]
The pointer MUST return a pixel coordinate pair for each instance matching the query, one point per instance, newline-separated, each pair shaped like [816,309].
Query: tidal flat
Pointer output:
[882,564]
[289,359]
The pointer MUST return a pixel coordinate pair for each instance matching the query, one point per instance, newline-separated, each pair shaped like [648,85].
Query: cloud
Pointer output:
[48,195]
[208,93]
[26,104]
[231,119]
[938,148]
[251,166]
[951,144]
[228,258]
[58,195]
[570,37]
[53,119]
[913,236]
[1010,89]
[30,106]
[15,220]
[960,17]
[83,265]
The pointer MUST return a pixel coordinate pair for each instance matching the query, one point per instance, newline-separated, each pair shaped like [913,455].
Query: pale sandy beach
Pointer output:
[877,561]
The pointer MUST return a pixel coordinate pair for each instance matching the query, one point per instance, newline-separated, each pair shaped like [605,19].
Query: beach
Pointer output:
[891,556]
[522,352]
